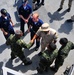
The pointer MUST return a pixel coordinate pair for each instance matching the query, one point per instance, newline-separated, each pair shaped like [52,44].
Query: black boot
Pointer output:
[59,9]
[39,70]
[46,69]
[28,63]
[53,69]
[42,3]
[13,58]
[36,48]
[68,10]
[40,54]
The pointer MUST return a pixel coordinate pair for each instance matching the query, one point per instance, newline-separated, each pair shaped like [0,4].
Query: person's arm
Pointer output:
[26,20]
[29,28]
[22,18]
[9,16]
[23,44]
[20,12]
[11,22]
[4,32]
[30,12]
[29,24]
[55,38]
[31,42]
[35,36]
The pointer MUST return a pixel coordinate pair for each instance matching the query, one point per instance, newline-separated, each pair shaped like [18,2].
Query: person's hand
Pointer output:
[31,41]
[26,20]
[13,25]
[5,33]
[28,30]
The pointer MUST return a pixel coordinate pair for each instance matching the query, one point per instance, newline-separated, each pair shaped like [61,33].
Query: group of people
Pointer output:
[49,51]
[38,31]
[52,53]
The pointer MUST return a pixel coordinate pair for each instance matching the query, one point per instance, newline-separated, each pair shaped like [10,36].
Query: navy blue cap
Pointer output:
[4,12]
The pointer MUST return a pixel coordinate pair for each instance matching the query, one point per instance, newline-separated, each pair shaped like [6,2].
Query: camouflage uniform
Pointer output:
[69,4]
[62,54]
[47,59]
[16,47]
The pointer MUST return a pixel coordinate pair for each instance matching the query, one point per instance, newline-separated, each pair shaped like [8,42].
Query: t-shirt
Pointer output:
[5,23]
[35,25]
[47,38]
[25,11]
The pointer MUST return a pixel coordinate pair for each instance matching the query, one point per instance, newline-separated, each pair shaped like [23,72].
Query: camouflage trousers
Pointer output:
[18,54]
[58,62]
[44,64]
[69,3]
